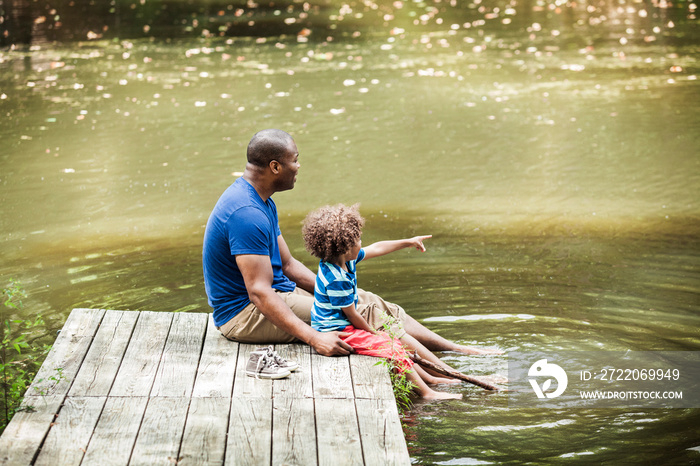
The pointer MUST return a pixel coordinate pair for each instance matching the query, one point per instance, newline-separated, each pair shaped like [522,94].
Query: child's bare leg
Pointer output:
[427,392]
[431,379]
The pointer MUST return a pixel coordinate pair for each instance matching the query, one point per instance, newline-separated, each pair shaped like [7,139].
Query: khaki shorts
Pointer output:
[251,326]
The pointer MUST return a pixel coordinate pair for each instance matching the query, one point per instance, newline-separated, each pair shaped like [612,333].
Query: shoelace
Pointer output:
[265,361]
[279,360]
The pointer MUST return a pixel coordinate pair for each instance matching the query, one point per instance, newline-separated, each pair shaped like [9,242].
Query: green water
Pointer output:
[560,179]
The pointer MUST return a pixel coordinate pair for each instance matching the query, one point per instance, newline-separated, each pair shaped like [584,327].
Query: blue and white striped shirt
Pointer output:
[335,289]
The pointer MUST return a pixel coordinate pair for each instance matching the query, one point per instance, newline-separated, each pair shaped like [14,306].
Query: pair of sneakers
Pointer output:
[265,363]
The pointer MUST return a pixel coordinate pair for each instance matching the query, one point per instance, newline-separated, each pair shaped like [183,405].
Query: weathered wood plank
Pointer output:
[71,431]
[298,384]
[115,432]
[180,359]
[159,437]
[338,434]
[369,379]
[61,365]
[204,441]
[331,376]
[245,386]
[250,432]
[82,322]
[138,369]
[102,362]
[293,431]
[22,437]
[382,437]
[217,366]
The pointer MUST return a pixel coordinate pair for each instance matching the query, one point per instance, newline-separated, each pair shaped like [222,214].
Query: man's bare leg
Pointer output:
[435,342]
[410,343]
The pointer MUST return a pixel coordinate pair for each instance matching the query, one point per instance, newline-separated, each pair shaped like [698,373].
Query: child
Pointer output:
[332,233]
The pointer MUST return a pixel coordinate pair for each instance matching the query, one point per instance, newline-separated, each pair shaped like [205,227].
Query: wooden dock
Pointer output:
[151,388]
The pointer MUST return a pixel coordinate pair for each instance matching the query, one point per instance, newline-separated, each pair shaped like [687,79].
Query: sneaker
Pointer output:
[283,363]
[262,366]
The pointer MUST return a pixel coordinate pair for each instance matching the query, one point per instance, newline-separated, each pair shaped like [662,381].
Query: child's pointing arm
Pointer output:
[381,248]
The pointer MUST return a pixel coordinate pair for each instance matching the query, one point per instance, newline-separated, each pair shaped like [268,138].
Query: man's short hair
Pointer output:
[268,145]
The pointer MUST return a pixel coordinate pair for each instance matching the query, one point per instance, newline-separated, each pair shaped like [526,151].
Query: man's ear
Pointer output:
[274,166]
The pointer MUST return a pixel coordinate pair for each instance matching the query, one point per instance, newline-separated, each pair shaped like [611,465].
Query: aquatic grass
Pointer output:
[20,356]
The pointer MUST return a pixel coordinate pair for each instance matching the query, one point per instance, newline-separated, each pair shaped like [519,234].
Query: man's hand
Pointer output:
[330,344]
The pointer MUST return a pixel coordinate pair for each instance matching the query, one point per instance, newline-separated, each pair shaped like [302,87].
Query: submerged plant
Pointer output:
[20,357]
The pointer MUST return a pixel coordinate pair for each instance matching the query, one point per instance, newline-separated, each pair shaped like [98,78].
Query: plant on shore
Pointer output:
[402,387]
[20,356]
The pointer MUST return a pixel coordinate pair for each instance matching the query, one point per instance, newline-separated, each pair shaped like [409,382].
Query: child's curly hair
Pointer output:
[331,231]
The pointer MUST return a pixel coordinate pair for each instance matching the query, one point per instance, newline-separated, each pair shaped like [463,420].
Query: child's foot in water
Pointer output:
[433,395]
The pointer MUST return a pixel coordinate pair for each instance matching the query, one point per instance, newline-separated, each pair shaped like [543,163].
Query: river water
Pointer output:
[559,177]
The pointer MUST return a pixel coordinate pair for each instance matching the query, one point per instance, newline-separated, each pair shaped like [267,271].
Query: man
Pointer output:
[259,292]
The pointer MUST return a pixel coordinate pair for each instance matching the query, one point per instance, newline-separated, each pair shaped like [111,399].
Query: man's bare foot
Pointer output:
[472,350]
[493,378]
[433,395]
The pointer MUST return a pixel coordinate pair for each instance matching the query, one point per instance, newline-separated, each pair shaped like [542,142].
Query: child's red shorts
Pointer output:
[380,345]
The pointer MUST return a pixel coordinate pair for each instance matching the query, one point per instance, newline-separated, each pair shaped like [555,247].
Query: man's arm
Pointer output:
[257,275]
[295,270]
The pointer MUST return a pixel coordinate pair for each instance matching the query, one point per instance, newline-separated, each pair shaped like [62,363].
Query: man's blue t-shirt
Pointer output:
[241,223]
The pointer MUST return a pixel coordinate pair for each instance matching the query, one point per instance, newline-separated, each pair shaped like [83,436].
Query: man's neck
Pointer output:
[253,176]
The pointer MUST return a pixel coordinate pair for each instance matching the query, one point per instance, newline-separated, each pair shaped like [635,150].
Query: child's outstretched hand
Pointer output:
[417,242]
[381,248]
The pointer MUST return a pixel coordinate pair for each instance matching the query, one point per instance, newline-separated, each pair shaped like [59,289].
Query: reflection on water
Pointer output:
[41,21]
[557,171]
